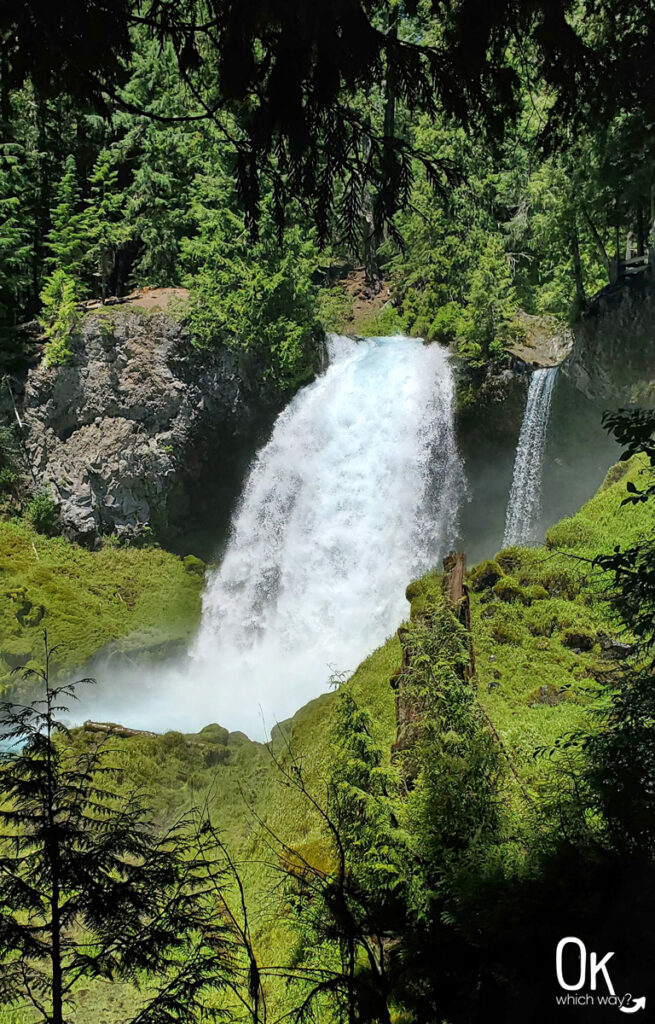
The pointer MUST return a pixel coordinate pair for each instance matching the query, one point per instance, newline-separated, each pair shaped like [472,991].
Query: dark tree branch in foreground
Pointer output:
[302,83]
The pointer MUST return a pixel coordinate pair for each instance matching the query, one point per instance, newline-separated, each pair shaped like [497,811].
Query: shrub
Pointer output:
[382,324]
[43,513]
[447,322]
[7,479]
[335,308]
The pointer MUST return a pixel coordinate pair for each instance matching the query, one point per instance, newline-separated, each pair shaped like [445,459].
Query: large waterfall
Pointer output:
[524,505]
[356,493]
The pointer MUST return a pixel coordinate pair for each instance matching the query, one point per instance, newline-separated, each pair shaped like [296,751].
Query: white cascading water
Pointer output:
[355,494]
[524,506]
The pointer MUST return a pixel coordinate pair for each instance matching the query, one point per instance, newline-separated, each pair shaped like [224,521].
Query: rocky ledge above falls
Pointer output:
[132,432]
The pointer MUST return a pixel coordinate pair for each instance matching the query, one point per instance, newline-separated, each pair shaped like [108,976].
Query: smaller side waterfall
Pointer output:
[524,504]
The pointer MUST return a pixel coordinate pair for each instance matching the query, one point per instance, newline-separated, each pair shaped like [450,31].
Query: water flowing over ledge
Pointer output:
[524,505]
[356,492]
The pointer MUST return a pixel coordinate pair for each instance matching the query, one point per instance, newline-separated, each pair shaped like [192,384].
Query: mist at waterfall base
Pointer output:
[356,493]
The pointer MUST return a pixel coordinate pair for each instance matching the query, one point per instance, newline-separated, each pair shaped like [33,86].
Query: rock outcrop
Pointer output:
[545,341]
[138,429]
[613,356]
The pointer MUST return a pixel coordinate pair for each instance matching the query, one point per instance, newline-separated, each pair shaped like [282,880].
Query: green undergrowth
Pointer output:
[543,636]
[543,629]
[88,599]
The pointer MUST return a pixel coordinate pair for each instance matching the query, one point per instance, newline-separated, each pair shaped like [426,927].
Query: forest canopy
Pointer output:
[479,157]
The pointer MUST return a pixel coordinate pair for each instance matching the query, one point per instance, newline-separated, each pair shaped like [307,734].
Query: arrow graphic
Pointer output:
[639,1004]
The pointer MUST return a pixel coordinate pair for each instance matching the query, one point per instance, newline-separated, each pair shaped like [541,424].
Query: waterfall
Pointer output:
[524,504]
[356,493]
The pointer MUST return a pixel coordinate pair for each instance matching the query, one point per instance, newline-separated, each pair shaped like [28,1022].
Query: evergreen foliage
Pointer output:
[89,888]
[60,316]
[384,160]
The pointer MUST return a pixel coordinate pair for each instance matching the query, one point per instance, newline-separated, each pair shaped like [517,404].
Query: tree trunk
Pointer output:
[597,239]
[55,955]
[641,234]
[580,296]
[629,246]
[374,236]
[457,596]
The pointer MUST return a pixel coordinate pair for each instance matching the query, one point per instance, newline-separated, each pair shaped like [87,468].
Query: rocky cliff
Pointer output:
[613,357]
[140,429]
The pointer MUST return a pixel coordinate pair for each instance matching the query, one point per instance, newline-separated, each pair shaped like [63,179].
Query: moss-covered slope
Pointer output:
[86,599]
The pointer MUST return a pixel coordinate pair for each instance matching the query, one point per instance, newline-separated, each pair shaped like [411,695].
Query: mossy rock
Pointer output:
[547,695]
[510,592]
[193,564]
[414,590]
[579,639]
[536,592]
[559,582]
[425,595]
[485,575]
[510,559]
[506,633]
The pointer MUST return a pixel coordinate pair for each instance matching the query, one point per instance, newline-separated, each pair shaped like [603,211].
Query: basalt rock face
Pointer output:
[139,428]
[613,356]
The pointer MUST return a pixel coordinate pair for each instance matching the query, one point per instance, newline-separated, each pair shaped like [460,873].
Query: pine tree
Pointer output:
[88,887]
[164,159]
[67,237]
[14,247]
[106,229]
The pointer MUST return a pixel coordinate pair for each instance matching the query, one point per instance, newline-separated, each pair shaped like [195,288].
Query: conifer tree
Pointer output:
[88,887]
[67,237]
[106,229]
[15,248]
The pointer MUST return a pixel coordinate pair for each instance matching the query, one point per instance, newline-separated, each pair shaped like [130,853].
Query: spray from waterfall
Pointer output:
[355,494]
[524,507]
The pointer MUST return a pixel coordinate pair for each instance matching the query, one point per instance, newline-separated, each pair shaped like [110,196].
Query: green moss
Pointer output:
[423,594]
[194,565]
[86,599]
[485,575]
[509,591]
[579,639]
[569,533]
[510,559]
